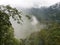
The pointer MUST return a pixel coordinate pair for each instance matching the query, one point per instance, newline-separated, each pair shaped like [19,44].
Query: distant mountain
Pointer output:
[51,13]
[43,14]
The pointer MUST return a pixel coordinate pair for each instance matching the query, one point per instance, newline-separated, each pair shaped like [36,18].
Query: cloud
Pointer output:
[28,3]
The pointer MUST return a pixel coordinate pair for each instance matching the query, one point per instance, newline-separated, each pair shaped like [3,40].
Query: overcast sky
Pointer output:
[28,3]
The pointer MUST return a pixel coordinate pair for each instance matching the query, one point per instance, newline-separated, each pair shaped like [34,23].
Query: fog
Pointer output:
[28,3]
[27,26]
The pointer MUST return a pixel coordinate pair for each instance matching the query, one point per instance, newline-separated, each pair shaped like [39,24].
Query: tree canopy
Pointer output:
[6,29]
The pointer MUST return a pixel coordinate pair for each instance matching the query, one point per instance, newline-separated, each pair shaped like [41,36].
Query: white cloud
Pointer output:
[28,3]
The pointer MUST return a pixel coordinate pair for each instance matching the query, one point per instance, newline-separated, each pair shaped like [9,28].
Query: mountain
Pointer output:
[46,14]
[43,14]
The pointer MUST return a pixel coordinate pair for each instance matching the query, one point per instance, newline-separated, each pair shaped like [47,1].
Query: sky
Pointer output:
[28,3]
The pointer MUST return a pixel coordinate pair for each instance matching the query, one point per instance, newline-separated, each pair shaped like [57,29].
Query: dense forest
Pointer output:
[50,35]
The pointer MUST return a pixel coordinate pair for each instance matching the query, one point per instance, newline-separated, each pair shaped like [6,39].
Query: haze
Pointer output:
[27,27]
[28,3]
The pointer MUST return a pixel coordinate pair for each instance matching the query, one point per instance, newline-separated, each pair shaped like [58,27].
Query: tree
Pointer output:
[51,35]
[6,29]
[47,36]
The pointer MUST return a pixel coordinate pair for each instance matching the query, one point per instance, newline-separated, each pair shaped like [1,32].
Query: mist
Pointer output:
[27,27]
[37,12]
[36,9]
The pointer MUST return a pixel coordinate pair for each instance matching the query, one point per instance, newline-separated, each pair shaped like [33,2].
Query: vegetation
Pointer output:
[6,29]
[48,36]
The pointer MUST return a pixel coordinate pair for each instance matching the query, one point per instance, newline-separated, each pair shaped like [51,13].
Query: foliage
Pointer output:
[6,29]
[51,34]
[11,12]
[48,36]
